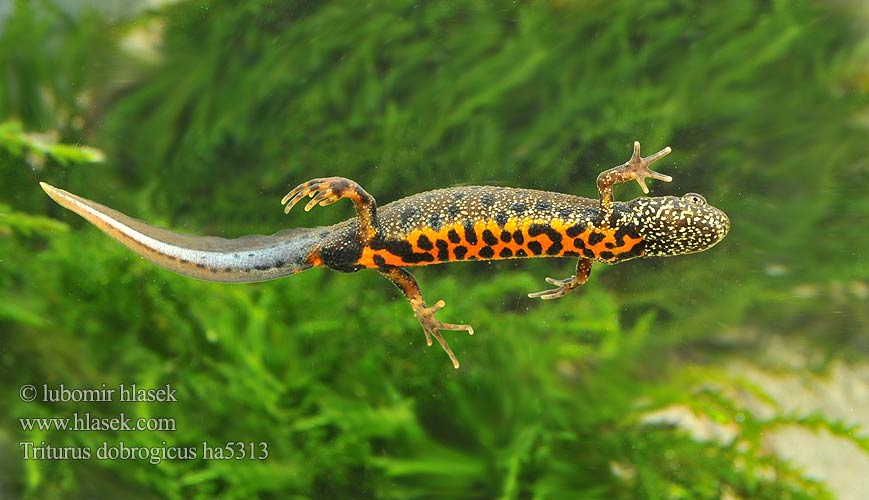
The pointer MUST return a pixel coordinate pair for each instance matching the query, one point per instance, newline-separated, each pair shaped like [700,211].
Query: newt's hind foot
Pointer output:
[328,190]
[323,192]
[430,327]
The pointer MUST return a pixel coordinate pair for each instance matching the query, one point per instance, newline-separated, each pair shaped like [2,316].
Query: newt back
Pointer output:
[488,222]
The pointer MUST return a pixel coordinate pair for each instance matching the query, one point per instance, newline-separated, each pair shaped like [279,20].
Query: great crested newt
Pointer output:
[445,225]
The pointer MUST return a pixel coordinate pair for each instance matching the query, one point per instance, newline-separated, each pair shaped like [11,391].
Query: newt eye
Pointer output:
[694,198]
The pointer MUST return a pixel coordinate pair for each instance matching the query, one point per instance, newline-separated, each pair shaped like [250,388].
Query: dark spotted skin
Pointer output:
[492,223]
[447,225]
[488,223]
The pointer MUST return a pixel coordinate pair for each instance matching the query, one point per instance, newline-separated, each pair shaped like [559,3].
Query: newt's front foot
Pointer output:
[565,286]
[430,326]
[637,168]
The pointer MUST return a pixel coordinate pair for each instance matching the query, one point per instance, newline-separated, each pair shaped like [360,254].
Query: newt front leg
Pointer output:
[637,168]
[565,286]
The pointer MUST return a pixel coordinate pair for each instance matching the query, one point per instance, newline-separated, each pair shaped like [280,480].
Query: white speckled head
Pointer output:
[674,226]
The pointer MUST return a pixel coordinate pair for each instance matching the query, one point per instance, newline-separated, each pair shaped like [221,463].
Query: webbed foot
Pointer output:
[565,286]
[637,168]
[324,191]
[328,190]
[431,327]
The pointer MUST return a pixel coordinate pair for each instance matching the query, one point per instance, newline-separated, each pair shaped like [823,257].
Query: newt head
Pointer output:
[670,225]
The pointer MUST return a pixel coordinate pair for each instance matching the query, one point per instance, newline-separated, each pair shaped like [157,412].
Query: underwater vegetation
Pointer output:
[200,115]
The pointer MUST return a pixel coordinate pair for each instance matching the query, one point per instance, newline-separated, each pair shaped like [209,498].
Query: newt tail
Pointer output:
[240,260]
[445,225]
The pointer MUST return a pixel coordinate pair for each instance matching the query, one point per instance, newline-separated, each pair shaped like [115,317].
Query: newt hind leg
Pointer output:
[327,190]
[565,286]
[405,282]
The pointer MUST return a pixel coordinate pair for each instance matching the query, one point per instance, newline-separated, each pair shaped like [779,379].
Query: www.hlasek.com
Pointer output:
[83,422]
[89,422]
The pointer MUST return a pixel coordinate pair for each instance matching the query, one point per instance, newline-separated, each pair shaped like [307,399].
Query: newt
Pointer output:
[445,225]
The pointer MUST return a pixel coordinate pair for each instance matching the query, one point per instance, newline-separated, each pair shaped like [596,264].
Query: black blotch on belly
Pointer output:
[538,229]
[398,248]
[454,236]
[588,252]
[535,247]
[416,258]
[344,257]
[554,235]
[379,261]
[574,231]
[505,253]
[489,238]
[579,243]
[518,237]
[487,252]
[470,235]
[555,248]
[460,252]
[625,231]
[636,250]
[506,237]
[606,255]
[521,253]
[595,238]
[424,243]
[443,250]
